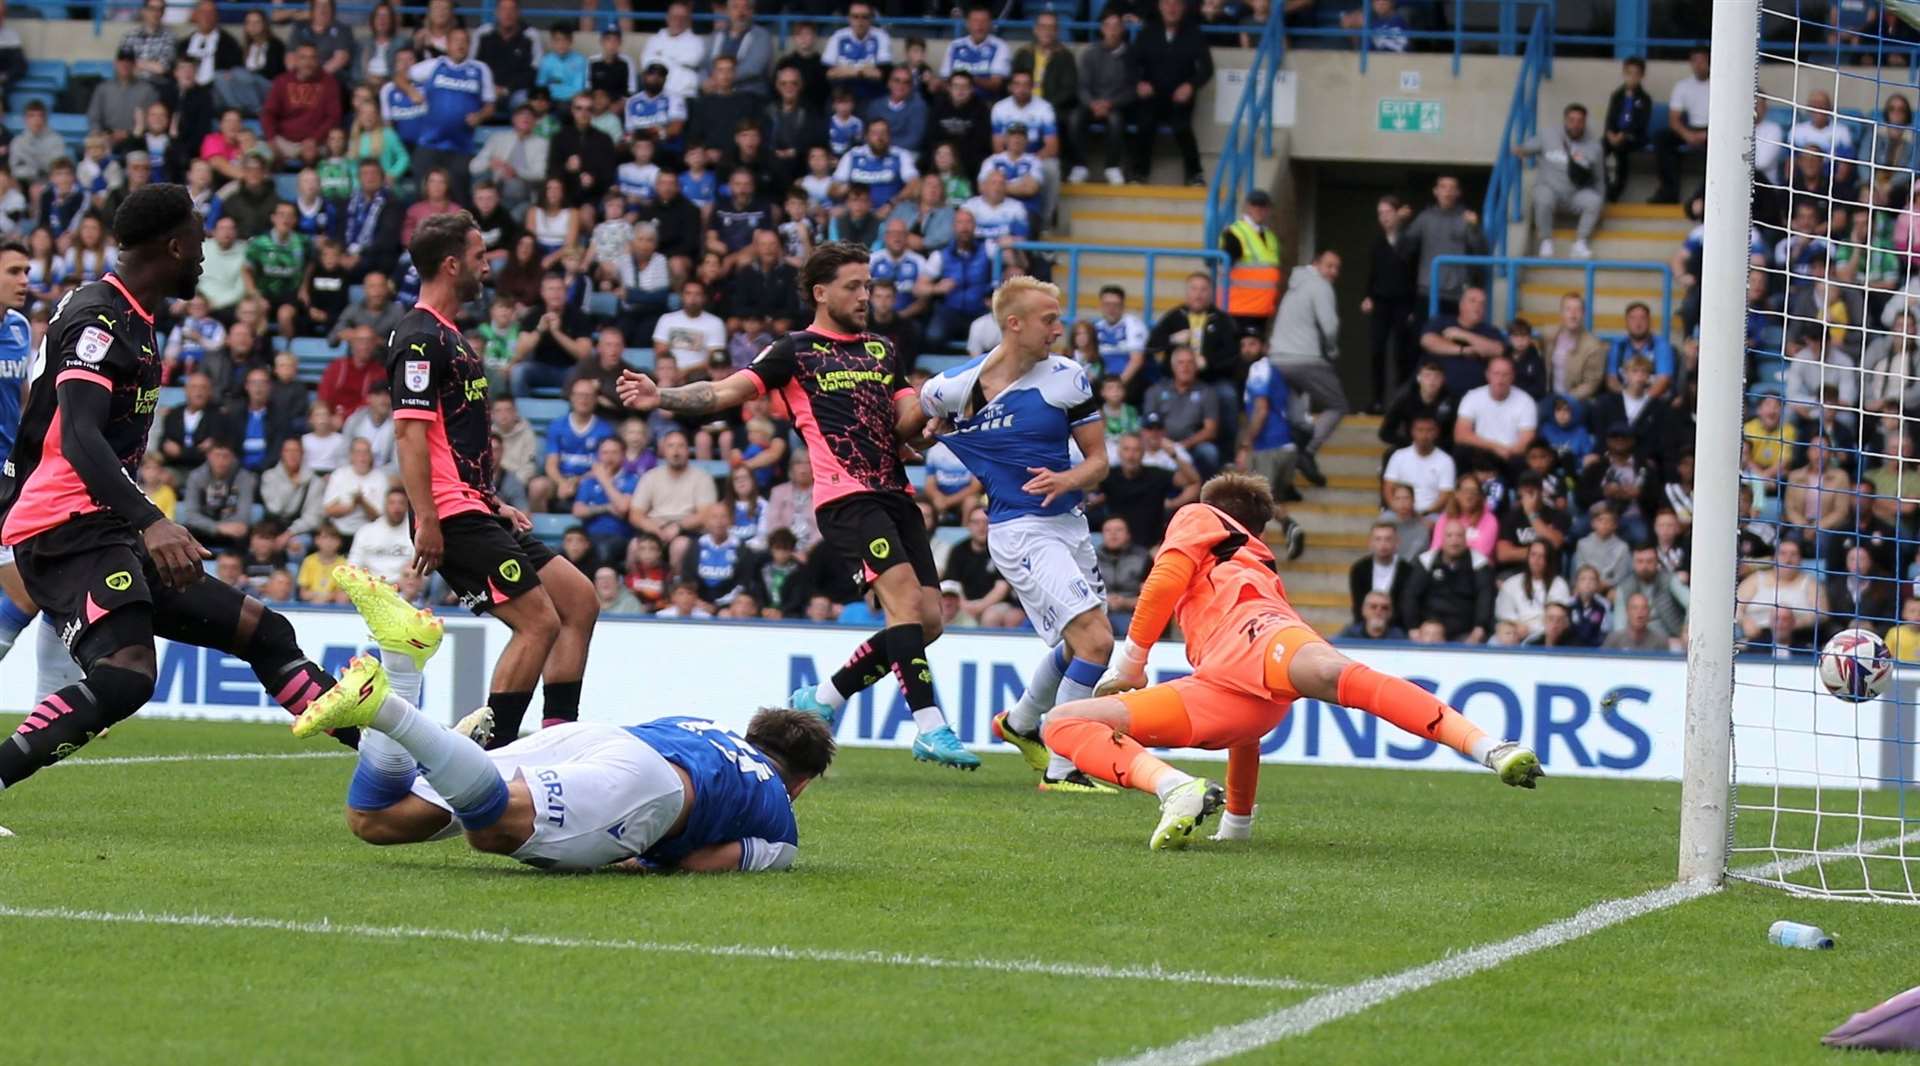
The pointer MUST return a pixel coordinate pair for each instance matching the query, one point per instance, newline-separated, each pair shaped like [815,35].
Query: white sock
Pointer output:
[384,755]
[929,719]
[1059,766]
[1483,747]
[827,694]
[452,764]
[54,668]
[1170,780]
[1024,717]
[403,678]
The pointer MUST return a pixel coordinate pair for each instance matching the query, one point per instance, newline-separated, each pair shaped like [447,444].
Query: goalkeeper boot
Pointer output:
[941,746]
[1078,781]
[351,704]
[397,626]
[806,699]
[1516,764]
[1030,745]
[1184,810]
[477,726]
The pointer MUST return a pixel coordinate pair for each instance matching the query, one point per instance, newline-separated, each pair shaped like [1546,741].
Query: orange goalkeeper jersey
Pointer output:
[1212,576]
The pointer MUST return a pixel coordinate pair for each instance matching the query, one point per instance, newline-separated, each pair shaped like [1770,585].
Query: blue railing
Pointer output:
[1504,201]
[1249,138]
[1510,266]
[1214,257]
[1506,39]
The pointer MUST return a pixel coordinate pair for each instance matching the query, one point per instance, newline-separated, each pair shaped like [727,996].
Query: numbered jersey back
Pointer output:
[736,791]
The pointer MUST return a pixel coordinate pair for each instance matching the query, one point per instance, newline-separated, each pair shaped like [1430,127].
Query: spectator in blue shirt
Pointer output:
[1266,437]
[605,493]
[904,112]
[562,71]
[966,281]
[574,441]
[459,95]
[1641,340]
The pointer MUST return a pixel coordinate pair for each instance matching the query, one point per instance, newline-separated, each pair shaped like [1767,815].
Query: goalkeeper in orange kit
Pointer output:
[1252,655]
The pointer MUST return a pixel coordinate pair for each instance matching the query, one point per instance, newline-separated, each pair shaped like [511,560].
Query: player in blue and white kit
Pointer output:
[56,668]
[980,53]
[1015,417]
[670,794]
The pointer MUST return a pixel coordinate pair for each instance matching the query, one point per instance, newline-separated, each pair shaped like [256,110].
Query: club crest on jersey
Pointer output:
[93,345]
[417,373]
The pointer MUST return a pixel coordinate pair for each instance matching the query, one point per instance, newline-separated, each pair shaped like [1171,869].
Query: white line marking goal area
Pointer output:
[763,952]
[1345,1002]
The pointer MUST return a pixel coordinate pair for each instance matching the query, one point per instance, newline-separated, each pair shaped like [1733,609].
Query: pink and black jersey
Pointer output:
[101,335]
[438,379]
[841,391]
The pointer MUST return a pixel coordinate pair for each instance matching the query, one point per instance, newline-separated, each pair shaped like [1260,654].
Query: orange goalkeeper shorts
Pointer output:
[1238,694]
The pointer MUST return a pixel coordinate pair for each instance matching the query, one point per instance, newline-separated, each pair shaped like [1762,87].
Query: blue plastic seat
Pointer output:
[604,306]
[91,68]
[938,364]
[550,528]
[638,358]
[53,70]
[18,99]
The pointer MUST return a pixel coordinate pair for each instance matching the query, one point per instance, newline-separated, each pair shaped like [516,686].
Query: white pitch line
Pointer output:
[1335,1004]
[241,756]
[716,951]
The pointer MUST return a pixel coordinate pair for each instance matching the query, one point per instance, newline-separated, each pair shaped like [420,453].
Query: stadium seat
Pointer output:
[539,412]
[638,358]
[604,306]
[316,348]
[949,534]
[549,528]
[717,467]
[286,186]
[18,99]
[356,293]
[279,344]
[90,68]
[172,396]
[53,71]
[938,364]
[71,126]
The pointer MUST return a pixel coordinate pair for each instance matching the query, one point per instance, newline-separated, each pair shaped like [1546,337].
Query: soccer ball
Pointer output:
[1855,665]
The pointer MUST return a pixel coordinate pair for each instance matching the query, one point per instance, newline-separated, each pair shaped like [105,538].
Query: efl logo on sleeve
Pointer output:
[93,345]
[417,374]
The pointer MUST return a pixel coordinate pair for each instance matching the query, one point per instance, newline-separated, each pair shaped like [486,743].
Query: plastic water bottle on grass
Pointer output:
[1795,935]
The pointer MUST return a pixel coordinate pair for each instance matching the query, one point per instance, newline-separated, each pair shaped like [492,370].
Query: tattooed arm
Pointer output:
[639,392]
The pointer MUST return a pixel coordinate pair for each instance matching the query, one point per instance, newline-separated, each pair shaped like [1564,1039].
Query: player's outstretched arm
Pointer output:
[747,855]
[85,405]
[1172,572]
[639,392]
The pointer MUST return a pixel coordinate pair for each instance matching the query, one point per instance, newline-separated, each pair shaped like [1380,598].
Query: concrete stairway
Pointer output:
[1155,216]
[1627,231]
[1336,520]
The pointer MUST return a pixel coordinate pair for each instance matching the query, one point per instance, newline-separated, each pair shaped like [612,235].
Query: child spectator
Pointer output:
[818,180]
[156,481]
[646,575]
[562,71]
[1903,640]
[764,454]
[326,446]
[637,178]
[1589,609]
[1570,440]
[698,184]
[316,570]
[1121,417]
[844,128]
[1601,551]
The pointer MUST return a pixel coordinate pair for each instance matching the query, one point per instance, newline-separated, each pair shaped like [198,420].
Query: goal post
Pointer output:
[1707,783]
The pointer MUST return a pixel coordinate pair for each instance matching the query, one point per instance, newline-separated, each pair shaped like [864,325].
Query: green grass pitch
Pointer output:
[1353,874]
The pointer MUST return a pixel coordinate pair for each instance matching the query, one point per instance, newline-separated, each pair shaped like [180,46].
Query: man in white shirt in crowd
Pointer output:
[1686,129]
[679,48]
[356,492]
[858,51]
[373,423]
[1121,335]
[1496,417]
[692,333]
[1422,467]
[980,53]
[385,546]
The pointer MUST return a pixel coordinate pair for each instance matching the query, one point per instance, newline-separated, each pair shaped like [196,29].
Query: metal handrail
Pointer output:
[1503,201]
[1510,266]
[1249,137]
[1214,256]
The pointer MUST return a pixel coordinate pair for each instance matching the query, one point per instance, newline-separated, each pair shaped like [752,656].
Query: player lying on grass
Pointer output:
[674,793]
[1252,655]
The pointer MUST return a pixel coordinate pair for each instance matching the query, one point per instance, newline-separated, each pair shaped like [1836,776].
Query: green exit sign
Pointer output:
[1411,116]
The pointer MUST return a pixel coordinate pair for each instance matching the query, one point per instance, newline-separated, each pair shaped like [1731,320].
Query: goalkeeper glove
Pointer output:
[1235,826]
[1126,671]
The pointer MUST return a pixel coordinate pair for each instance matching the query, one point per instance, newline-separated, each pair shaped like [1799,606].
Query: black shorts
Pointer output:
[880,530]
[488,562]
[85,573]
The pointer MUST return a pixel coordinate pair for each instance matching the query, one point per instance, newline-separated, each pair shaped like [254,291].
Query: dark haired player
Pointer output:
[107,568]
[480,545]
[674,793]
[1252,656]
[853,408]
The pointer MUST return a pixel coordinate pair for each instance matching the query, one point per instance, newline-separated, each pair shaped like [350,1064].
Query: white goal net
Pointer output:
[1827,515]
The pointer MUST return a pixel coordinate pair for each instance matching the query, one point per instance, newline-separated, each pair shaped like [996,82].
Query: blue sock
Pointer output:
[487,811]
[373,789]
[12,621]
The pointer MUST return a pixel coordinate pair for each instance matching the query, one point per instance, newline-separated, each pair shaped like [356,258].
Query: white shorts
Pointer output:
[600,794]
[6,555]
[1048,561]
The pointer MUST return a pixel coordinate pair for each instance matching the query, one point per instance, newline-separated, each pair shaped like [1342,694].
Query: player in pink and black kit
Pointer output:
[107,568]
[850,403]
[481,546]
